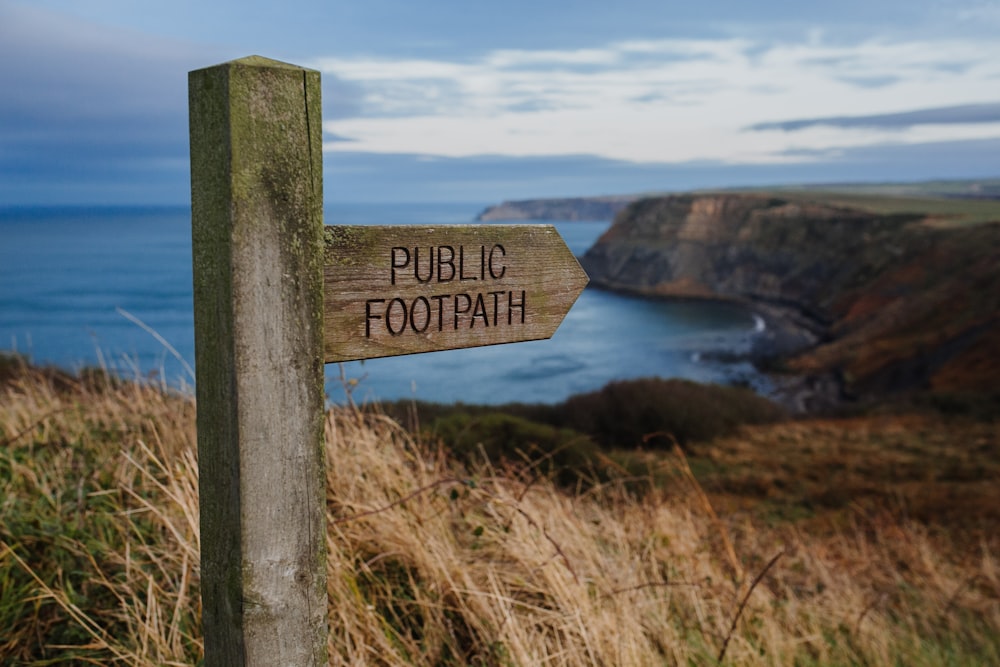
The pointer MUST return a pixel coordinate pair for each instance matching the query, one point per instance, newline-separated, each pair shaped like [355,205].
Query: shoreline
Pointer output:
[781,331]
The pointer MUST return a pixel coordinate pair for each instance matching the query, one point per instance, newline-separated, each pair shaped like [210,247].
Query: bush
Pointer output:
[656,412]
[561,453]
[981,406]
[649,412]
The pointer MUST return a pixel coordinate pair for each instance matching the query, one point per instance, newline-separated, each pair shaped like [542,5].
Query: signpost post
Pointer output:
[275,296]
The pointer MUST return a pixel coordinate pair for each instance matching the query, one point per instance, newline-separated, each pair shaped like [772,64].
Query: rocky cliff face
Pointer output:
[882,302]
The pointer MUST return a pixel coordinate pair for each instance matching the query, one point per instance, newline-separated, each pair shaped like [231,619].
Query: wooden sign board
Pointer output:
[392,290]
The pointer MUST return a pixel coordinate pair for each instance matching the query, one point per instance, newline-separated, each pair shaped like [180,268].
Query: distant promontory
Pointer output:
[568,209]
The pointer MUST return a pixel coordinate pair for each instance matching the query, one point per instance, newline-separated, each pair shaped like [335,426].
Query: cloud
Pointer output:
[980,12]
[955,115]
[90,113]
[341,99]
[673,100]
[335,138]
[871,81]
[484,179]
[58,67]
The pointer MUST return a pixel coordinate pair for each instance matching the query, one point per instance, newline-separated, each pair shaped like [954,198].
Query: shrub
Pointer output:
[650,412]
[660,412]
[562,453]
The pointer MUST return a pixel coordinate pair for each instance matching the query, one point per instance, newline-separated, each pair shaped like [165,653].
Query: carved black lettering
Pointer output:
[430,265]
[482,263]
[479,310]
[496,304]
[461,265]
[369,316]
[426,305]
[399,252]
[464,309]
[495,273]
[440,308]
[511,305]
[389,315]
[443,262]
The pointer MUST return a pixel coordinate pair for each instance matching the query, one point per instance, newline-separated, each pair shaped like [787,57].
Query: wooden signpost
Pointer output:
[277,294]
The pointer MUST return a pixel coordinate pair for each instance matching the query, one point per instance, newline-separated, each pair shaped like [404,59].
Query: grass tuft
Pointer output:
[437,560]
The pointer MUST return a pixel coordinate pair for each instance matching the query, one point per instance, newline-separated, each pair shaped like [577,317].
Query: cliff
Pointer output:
[883,302]
[573,209]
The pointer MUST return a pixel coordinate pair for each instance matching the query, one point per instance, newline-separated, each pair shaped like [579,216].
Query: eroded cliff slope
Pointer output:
[884,302]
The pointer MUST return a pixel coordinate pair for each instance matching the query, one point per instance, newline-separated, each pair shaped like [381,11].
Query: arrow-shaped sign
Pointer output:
[391,290]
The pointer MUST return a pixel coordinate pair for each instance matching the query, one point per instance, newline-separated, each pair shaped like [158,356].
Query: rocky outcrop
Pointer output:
[571,209]
[884,303]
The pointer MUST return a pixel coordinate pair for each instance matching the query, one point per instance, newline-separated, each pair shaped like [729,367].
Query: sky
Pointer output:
[443,100]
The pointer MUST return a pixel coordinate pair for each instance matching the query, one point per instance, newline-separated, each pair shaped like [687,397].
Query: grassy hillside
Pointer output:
[730,554]
[940,211]
[943,202]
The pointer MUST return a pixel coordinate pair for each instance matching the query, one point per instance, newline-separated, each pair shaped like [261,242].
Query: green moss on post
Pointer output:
[257,229]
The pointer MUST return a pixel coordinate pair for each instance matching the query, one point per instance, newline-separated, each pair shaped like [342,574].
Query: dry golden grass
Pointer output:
[940,472]
[511,573]
[434,564]
[98,522]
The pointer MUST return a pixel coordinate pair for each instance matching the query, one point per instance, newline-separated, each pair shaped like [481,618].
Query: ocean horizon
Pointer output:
[110,286]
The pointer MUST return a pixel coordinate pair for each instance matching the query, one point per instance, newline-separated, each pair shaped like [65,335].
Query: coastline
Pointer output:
[863,304]
[781,331]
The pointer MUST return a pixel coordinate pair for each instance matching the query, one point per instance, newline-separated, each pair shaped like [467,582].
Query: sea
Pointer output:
[110,287]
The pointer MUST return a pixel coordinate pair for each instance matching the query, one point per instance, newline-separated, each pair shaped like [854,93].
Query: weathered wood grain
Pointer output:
[392,290]
[256,193]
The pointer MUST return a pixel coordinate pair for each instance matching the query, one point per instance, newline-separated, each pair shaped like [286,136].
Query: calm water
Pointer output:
[76,284]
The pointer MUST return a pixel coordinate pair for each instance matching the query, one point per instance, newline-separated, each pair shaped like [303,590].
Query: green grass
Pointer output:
[90,567]
[945,203]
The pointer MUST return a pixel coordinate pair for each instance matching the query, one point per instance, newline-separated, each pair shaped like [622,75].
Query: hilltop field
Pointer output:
[862,540]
